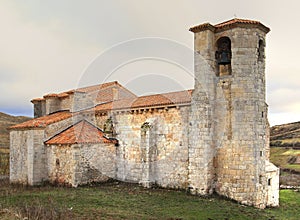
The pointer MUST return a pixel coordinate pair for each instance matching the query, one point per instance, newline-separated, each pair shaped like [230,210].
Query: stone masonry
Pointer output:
[213,138]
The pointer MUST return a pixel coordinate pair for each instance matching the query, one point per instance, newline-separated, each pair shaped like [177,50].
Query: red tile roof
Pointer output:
[236,22]
[43,121]
[97,87]
[37,100]
[79,133]
[171,98]
[101,93]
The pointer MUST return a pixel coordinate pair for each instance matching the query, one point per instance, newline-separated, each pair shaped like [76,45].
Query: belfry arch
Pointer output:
[223,56]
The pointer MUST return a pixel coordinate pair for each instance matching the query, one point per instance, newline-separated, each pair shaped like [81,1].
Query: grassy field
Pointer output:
[4,150]
[4,161]
[280,157]
[128,201]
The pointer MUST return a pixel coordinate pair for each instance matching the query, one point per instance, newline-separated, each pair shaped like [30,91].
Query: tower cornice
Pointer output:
[236,22]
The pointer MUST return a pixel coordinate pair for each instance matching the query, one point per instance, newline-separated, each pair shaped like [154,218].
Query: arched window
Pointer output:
[261,50]
[223,53]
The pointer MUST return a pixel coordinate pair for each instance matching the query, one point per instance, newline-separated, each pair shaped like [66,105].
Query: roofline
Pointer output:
[67,94]
[183,103]
[232,23]
[40,126]
[82,120]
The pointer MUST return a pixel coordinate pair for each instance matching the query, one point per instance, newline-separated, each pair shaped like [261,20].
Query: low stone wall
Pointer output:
[289,179]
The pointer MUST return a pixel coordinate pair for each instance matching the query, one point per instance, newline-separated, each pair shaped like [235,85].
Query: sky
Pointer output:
[57,45]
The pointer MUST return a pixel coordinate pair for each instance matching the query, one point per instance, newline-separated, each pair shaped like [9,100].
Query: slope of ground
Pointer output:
[129,201]
[285,152]
[285,135]
[5,122]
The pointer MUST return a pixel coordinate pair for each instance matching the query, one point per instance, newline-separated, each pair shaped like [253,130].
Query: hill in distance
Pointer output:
[5,122]
[285,135]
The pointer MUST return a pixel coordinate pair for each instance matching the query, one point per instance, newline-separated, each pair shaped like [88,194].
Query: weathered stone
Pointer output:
[217,142]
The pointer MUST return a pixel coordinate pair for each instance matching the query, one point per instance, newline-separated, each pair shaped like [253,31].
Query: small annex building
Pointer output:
[212,138]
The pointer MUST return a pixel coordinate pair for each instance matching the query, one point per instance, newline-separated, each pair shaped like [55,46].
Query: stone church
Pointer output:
[213,138]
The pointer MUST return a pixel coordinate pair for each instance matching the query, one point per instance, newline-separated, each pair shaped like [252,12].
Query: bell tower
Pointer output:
[228,124]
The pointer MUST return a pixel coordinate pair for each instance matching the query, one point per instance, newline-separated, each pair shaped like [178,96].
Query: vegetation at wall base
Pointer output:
[117,200]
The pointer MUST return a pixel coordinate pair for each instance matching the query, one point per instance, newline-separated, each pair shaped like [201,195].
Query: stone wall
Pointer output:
[95,162]
[39,108]
[201,146]
[66,103]
[37,167]
[241,156]
[52,105]
[272,176]
[232,149]
[77,164]
[61,164]
[27,157]
[289,179]
[19,142]
[57,127]
[162,153]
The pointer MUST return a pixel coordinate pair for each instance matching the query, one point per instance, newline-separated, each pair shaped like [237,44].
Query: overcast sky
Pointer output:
[56,45]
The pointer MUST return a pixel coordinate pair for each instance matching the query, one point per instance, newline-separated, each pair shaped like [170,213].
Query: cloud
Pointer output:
[46,45]
[39,58]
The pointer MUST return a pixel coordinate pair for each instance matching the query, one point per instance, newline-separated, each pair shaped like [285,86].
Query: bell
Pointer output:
[224,58]
[223,54]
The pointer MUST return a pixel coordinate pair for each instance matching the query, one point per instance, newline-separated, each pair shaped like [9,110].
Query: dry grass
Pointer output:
[281,156]
[129,201]
[4,150]
[4,164]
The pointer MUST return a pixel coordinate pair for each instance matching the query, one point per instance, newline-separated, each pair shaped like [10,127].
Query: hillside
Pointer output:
[285,152]
[286,135]
[5,122]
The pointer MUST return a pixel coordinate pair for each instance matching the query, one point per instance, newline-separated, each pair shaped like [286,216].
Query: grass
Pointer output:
[4,162]
[128,201]
[291,141]
[292,152]
[4,150]
[280,157]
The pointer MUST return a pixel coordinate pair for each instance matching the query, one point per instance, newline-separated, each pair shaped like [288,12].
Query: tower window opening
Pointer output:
[57,162]
[261,50]
[223,56]
[260,179]
[269,182]
[223,53]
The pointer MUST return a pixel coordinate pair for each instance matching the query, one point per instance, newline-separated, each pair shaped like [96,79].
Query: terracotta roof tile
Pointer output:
[50,95]
[236,22]
[163,99]
[101,93]
[63,95]
[43,121]
[171,98]
[79,133]
[37,100]
[97,87]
